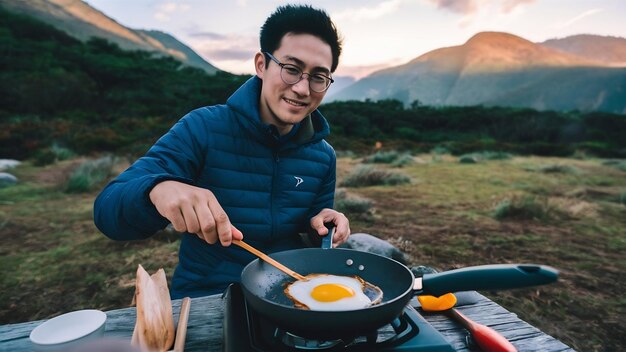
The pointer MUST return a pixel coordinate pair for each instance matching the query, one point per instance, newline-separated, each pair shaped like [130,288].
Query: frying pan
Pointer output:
[263,286]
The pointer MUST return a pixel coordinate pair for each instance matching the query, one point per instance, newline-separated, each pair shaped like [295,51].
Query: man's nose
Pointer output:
[302,87]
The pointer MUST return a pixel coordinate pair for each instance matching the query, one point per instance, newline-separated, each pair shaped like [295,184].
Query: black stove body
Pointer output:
[246,330]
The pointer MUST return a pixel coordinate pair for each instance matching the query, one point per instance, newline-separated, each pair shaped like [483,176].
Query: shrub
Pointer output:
[440,150]
[392,157]
[62,153]
[618,164]
[367,175]
[467,159]
[558,169]
[44,157]
[352,205]
[381,157]
[524,208]
[403,159]
[89,174]
[484,155]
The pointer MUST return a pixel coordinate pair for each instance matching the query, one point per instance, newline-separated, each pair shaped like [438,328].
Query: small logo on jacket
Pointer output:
[299,180]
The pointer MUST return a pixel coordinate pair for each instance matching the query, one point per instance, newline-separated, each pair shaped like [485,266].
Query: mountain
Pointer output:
[82,21]
[609,50]
[494,68]
[340,83]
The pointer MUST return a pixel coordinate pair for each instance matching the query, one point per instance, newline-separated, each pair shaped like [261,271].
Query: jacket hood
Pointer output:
[245,103]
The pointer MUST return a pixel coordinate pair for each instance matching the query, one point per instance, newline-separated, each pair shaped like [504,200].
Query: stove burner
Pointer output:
[409,332]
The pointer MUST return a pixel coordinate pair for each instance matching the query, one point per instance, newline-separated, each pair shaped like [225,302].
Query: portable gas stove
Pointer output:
[246,330]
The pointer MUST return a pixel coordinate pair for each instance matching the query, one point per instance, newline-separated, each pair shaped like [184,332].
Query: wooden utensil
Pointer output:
[181,330]
[269,260]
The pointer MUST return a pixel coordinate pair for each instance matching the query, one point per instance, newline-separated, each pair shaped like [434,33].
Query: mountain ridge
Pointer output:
[82,21]
[494,68]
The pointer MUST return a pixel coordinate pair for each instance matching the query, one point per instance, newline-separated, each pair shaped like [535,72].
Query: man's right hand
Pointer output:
[194,210]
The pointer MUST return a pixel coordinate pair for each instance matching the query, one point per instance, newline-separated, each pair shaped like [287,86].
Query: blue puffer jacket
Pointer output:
[270,188]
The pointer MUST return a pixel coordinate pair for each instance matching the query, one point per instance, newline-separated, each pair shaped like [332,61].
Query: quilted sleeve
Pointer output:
[123,210]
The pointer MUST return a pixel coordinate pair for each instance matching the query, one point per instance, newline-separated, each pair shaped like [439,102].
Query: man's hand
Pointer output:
[194,210]
[342,225]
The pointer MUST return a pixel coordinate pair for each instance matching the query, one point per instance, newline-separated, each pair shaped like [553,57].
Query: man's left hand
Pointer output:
[342,225]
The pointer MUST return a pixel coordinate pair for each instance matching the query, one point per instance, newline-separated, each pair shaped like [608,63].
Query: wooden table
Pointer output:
[205,327]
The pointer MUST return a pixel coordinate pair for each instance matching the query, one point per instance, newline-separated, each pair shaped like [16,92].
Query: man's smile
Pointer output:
[294,102]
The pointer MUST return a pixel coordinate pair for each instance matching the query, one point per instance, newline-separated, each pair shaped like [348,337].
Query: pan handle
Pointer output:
[485,277]
[327,241]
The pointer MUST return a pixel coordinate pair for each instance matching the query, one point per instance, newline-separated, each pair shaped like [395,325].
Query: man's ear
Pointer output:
[259,64]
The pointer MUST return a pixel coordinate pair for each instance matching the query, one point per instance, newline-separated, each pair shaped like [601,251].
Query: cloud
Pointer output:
[208,35]
[469,7]
[575,19]
[164,11]
[368,13]
[225,47]
[458,6]
[510,5]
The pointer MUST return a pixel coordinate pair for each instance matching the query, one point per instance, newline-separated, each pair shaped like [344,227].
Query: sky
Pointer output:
[376,34]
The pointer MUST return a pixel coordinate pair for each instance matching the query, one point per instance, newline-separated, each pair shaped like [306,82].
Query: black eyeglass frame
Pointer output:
[302,73]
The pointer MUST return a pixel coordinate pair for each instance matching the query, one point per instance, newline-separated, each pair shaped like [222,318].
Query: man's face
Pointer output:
[284,105]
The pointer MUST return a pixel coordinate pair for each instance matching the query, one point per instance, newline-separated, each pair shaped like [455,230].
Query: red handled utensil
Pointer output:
[485,337]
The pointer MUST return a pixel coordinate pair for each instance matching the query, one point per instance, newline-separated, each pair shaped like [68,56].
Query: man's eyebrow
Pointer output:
[302,64]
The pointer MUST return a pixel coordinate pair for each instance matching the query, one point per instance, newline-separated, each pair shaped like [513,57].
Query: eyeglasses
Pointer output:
[292,74]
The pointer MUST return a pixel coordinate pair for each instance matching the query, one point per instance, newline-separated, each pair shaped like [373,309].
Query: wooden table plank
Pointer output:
[204,332]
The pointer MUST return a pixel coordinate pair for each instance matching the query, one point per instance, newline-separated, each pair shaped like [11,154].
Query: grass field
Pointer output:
[567,213]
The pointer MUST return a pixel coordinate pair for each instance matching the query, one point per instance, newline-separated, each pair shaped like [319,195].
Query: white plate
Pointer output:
[69,327]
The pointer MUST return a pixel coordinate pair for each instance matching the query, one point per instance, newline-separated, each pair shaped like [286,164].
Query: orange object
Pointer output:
[437,304]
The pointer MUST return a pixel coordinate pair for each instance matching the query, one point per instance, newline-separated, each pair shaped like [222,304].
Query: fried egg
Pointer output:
[329,292]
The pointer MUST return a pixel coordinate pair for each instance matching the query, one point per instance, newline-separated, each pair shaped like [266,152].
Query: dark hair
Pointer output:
[300,19]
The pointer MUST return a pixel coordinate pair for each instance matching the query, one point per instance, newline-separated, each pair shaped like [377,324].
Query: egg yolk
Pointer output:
[331,292]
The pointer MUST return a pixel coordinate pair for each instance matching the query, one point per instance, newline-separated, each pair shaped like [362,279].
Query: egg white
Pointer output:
[300,291]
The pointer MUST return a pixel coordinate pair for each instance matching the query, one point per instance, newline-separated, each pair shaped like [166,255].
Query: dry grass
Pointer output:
[447,221]
[54,260]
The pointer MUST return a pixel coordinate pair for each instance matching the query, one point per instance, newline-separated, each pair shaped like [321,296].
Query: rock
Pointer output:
[7,179]
[6,164]
[368,243]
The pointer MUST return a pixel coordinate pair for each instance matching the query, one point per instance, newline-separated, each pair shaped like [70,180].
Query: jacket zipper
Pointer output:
[274,227]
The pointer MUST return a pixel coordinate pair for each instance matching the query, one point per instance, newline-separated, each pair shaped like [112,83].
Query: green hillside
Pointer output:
[91,96]
[358,125]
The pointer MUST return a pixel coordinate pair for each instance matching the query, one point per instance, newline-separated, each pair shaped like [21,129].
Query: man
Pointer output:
[257,166]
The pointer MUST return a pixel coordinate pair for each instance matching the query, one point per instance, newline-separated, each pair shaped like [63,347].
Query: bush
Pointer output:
[381,157]
[484,155]
[367,175]
[62,153]
[618,164]
[558,169]
[44,157]
[89,174]
[440,150]
[353,206]
[468,159]
[392,157]
[524,208]
[403,159]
